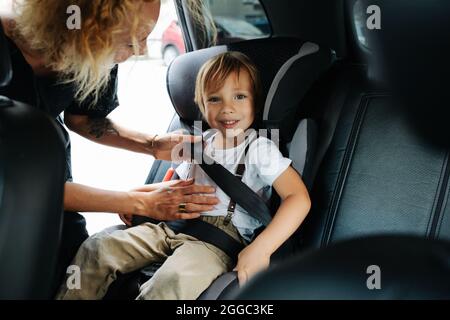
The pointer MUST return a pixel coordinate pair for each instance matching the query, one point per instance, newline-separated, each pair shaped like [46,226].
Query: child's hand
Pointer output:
[251,260]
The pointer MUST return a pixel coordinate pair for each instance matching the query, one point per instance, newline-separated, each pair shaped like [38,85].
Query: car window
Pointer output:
[237,20]
[237,27]
[227,21]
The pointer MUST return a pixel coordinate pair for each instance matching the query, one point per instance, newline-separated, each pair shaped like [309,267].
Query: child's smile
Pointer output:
[229,124]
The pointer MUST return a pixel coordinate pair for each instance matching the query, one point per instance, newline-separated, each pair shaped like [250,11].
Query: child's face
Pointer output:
[230,109]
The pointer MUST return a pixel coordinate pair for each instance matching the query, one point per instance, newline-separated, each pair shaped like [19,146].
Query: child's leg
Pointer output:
[188,272]
[100,257]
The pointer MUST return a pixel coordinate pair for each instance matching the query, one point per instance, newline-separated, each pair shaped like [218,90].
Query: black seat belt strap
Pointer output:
[240,174]
[232,205]
[209,233]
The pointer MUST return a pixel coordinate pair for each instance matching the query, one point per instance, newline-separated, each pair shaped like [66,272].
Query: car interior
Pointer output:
[346,103]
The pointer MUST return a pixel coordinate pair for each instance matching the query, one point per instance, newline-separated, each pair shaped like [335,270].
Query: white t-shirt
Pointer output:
[264,163]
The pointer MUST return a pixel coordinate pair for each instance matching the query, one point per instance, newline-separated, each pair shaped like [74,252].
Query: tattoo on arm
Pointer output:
[100,127]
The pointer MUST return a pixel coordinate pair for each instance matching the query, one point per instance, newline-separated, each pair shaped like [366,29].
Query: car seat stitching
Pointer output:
[436,197]
[441,192]
[441,217]
[345,166]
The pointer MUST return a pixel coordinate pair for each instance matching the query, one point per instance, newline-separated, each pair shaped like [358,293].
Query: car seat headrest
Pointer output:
[181,78]
[413,56]
[5,60]
[277,60]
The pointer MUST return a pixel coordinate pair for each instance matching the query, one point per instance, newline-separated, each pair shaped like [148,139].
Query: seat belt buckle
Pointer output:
[228,217]
[169,174]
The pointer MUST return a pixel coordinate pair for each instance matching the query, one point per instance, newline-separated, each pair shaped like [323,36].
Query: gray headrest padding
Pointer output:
[181,78]
[306,49]
[298,147]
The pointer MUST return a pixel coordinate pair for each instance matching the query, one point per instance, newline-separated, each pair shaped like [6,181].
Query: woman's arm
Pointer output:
[105,131]
[82,198]
[291,213]
[161,204]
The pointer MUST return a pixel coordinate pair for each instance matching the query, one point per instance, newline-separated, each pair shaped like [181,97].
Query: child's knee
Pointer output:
[95,248]
[164,285]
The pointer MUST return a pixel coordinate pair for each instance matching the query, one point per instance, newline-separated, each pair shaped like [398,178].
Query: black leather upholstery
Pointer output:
[409,268]
[380,175]
[414,58]
[32,166]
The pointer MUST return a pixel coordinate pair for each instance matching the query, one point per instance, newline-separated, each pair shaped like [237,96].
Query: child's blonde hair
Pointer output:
[214,72]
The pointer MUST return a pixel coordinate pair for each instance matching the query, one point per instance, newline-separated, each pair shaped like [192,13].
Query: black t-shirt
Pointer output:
[53,97]
[46,93]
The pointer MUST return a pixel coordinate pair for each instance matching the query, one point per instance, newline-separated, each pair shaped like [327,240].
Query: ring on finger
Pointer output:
[182,207]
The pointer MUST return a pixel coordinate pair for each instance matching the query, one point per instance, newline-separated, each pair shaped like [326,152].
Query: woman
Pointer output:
[75,71]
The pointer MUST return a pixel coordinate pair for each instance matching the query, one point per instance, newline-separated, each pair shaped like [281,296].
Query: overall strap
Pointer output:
[240,174]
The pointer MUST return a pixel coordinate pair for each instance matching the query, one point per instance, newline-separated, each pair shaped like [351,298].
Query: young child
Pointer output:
[227,92]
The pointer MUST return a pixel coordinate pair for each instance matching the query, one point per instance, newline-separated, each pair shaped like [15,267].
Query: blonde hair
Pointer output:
[214,72]
[83,56]
[203,20]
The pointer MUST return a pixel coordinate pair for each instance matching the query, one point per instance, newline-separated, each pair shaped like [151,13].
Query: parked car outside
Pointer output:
[229,30]
[172,43]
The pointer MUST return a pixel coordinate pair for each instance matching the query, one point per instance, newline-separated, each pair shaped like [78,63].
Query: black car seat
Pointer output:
[281,62]
[32,166]
[381,194]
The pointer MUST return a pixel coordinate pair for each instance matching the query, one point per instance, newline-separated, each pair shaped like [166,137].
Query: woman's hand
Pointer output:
[251,260]
[164,144]
[163,203]
[128,218]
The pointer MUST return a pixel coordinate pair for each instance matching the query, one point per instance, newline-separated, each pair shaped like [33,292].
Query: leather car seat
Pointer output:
[32,166]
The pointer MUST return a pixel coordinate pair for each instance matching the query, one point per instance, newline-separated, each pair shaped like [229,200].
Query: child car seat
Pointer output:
[288,68]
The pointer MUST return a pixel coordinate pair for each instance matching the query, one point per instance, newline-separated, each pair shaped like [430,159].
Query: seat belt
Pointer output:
[209,233]
[232,205]
[238,191]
